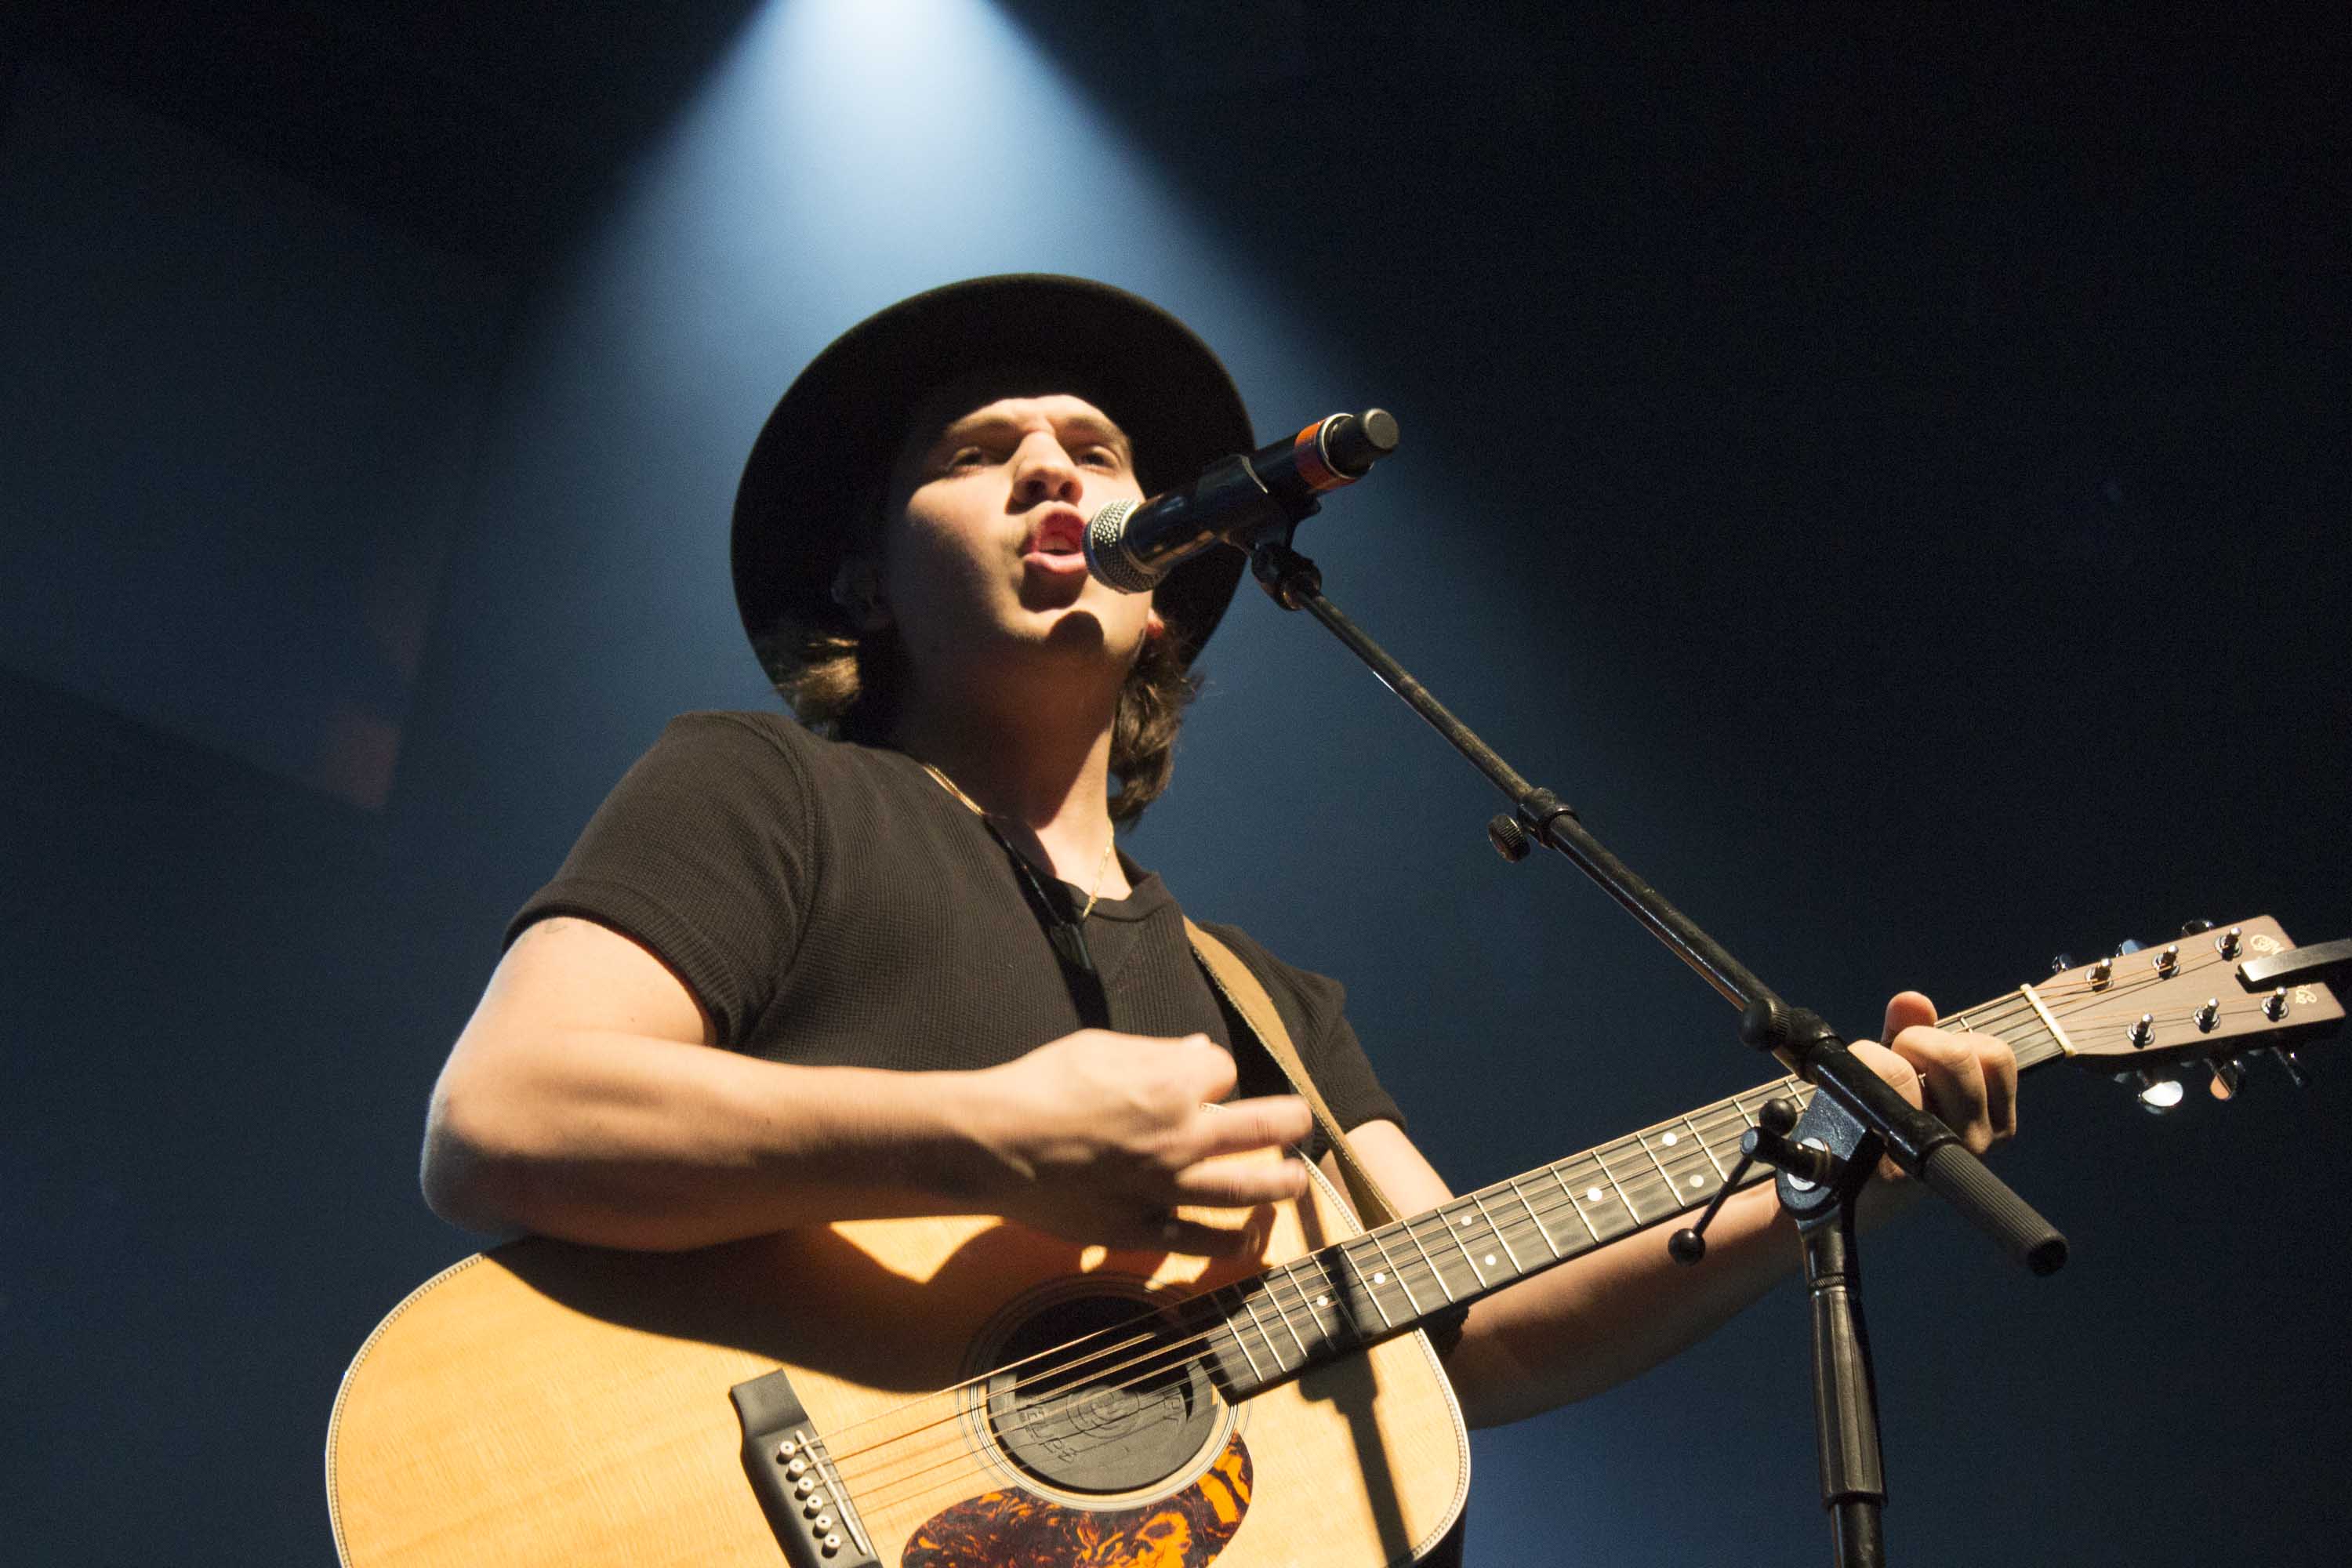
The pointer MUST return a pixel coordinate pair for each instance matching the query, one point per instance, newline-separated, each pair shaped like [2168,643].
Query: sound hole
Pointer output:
[1117,1414]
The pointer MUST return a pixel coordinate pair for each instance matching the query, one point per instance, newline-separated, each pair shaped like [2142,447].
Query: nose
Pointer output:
[1042,471]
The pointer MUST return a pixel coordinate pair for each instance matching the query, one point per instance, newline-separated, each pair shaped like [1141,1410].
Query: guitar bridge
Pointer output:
[795,1481]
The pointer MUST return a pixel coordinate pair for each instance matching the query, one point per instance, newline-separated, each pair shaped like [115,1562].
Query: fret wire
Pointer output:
[1411,1235]
[1369,1293]
[1292,1329]
[1691,1171]
[1644,1142]
[1343,1314]
[1453,1234]
[1601,1170]
[1232,1327]
[1328,1293]
[1721,1175]
[1517,1267]
[1393,1272]
[1573,1207]
[1631,1213]
[1540,1230]
[1263,1338]
[1243,1345]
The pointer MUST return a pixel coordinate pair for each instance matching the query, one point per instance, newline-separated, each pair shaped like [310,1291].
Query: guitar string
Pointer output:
[1646,1187]
[2014,1007]
[1503,1232]
[2022,1011]
[1719,1109]
[1646,1183]
[1170,1355]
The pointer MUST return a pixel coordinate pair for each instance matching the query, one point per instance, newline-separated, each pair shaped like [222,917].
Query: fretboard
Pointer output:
[1391,1279]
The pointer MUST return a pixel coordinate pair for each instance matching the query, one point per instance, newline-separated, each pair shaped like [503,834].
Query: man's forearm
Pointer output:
[1589,1325]
[629,1141]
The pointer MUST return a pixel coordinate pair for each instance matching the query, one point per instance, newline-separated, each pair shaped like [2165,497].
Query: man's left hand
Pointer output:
[1968,1082]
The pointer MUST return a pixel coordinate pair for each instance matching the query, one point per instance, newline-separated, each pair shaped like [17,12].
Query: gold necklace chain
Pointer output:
[1102,867]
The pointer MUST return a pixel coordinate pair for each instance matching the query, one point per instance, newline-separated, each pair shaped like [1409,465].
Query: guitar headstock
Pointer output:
[2149,1011]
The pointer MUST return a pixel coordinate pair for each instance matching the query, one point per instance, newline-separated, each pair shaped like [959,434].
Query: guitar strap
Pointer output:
[1242,989]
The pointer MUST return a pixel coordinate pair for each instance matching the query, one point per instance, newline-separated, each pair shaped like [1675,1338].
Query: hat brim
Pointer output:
[846,417]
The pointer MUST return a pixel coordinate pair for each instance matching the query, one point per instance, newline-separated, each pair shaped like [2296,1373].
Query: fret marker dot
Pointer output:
[1380,1278]
[1322,1301]
[1695,1181]
[1670,1140]
[1490,1260]
[1592,1194]
[1466,1222]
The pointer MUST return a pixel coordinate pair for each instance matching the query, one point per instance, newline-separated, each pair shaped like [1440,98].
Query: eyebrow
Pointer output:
[1097,427]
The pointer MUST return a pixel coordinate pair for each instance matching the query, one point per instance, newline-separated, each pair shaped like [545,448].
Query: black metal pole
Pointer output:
[1858,1114]
[1297,584]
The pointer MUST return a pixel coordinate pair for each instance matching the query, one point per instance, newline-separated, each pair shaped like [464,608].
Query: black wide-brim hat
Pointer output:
[808,489]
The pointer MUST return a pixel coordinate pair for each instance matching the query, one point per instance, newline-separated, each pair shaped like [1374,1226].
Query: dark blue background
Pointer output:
[1886,465]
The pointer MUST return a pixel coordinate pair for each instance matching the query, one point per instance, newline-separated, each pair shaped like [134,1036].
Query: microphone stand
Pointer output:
[1824,1158]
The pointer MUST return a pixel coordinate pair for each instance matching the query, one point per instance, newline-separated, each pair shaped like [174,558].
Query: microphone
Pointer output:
[1131,546]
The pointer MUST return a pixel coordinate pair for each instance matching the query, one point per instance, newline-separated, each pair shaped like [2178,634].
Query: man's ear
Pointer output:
[1155,624]
[858,589]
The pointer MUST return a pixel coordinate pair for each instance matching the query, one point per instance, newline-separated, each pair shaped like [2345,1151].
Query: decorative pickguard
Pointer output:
[1015,1529]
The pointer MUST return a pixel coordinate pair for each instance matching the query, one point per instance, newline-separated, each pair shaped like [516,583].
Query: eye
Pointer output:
[966,457]
[1099,457]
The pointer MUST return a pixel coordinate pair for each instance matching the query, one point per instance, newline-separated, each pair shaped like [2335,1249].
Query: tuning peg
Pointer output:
[2169,960]
[2195,928]
[2158,1096]
[2227,1075]
[2142,1034]
[2226,945]
[2274,1004]
[2292,1065]
[2100,974]
[2060,962]
[2127,947]
[2207,1016]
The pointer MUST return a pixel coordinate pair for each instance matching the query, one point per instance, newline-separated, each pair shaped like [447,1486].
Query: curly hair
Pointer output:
[847,688]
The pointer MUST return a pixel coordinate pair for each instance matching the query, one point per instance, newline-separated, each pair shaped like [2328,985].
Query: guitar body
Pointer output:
[983,1396]
[548,1404]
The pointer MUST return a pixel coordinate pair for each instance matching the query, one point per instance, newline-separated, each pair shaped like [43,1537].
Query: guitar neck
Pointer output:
[1393,1279]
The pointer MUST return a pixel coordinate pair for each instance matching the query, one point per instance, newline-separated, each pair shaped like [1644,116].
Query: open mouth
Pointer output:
[1059,535]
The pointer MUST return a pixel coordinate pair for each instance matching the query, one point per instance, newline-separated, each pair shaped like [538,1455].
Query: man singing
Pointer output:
[889,961]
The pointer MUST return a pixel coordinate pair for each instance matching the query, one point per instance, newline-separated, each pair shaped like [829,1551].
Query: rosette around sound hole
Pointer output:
[1100,1394]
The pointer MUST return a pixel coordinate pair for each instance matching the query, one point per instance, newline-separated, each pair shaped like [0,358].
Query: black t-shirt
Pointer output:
[830,904]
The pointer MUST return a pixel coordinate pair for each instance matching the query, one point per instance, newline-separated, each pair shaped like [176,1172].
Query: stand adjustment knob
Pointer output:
[1511,840]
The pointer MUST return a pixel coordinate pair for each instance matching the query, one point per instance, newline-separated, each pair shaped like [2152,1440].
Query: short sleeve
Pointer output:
[704,853]
[1314,1008]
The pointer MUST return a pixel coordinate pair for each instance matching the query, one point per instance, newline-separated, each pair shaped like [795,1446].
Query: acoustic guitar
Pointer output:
[966,1393]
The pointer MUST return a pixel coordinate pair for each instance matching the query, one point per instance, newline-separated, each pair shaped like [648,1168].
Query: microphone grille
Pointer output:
[1107,554]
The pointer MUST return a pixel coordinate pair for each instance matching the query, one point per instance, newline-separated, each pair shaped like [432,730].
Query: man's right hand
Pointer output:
[1099,1136]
